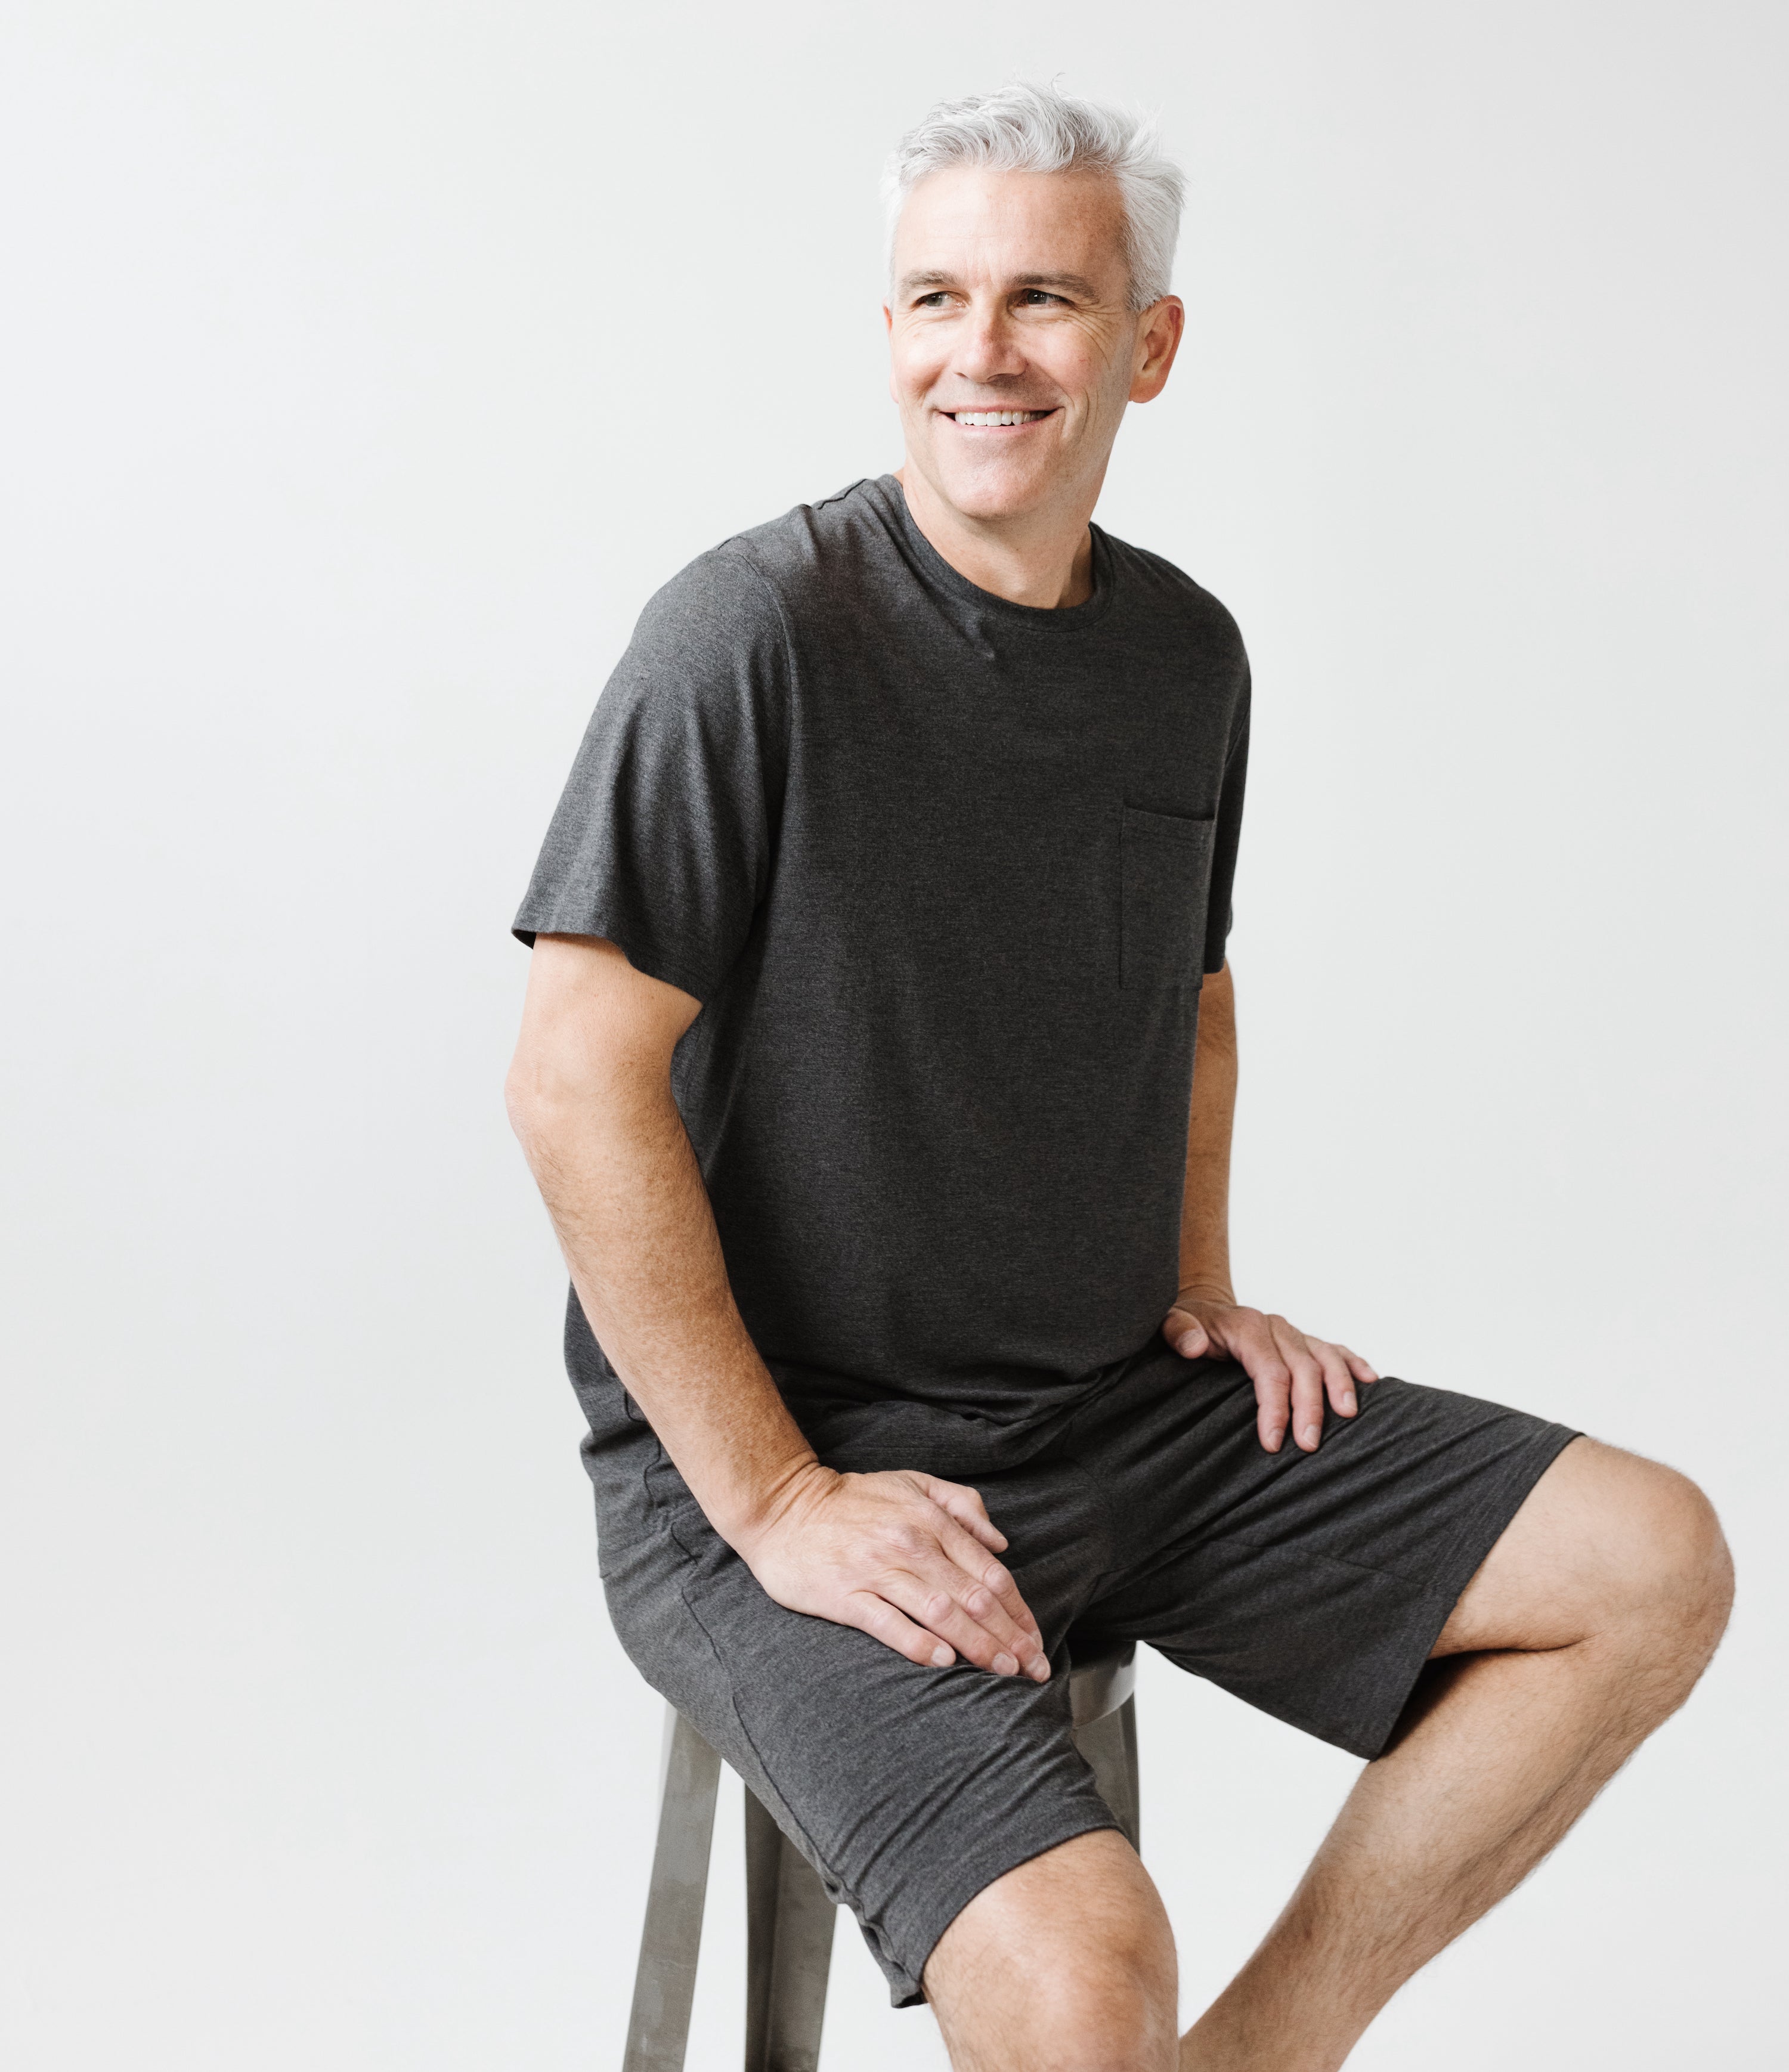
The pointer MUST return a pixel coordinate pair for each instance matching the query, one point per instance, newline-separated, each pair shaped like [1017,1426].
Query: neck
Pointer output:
[1044,558]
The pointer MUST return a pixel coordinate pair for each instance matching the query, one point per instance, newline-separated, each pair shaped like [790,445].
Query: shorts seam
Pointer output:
[661,1513]
[874,1921]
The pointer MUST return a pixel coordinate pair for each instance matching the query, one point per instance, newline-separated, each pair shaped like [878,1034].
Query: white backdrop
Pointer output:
[366,364]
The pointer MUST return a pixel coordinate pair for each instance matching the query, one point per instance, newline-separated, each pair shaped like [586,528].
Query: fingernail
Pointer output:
[1039,1671]
[942,1658]
[1005,1665]
[1313,1433]
[1349,1406]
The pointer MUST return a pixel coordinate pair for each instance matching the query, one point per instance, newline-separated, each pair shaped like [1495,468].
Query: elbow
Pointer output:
[528,1100]
[551,1098]
[558,1089]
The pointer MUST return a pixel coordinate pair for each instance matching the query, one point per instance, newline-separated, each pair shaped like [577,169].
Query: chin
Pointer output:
[995,488]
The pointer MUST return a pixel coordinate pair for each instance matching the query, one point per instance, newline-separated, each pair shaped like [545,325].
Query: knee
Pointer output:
[1669,1576]
[1066,1964]
[1110,2007]
[1119,2022]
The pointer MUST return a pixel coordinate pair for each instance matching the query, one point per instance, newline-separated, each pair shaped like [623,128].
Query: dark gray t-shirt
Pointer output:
[944,871]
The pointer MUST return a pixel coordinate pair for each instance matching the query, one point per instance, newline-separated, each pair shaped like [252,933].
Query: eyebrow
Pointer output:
[1075,284]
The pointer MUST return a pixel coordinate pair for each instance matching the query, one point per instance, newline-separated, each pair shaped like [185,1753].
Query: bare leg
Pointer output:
[1587,1625]
[1066,1964]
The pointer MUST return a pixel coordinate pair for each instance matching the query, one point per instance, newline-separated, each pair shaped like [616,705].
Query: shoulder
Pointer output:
[1157,586]
[819,552]
[722,593]
[762,580]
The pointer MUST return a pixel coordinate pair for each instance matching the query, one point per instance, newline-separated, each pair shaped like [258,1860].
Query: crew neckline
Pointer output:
[1046,619]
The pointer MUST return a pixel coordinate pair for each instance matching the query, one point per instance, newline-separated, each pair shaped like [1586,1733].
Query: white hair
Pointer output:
[1035,129]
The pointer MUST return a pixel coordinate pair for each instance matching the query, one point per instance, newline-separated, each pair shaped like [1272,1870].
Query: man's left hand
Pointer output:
[1291,1371]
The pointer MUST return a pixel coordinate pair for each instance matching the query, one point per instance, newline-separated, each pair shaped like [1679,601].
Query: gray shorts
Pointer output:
[1313,1586]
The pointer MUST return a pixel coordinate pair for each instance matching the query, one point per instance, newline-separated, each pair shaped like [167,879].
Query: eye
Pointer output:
[1041,297]
[934,300]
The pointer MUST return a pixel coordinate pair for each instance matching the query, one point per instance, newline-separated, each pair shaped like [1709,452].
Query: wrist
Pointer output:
[1205,1293]
[753,1512]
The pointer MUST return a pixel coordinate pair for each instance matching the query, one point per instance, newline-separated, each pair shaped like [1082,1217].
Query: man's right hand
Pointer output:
[903,1556]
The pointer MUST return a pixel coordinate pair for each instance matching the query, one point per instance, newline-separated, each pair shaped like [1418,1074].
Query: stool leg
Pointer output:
[1127,1712]
[1109,1746]
[664,1984]
[788,1950]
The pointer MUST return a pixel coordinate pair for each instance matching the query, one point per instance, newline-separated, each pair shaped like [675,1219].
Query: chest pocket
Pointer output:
[1164,864]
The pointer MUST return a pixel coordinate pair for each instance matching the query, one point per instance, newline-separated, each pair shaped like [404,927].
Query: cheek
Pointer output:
[912,376]
[1084,365]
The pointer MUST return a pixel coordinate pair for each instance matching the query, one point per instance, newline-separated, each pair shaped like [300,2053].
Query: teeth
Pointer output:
[998,416]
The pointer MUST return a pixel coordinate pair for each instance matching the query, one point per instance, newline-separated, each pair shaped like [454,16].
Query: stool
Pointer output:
[789,1917]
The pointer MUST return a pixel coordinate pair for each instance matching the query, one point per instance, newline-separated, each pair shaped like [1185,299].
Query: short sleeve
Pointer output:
[1228,837]
[665,837]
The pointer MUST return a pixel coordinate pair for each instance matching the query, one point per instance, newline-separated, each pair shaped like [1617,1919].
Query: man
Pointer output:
[877,1069]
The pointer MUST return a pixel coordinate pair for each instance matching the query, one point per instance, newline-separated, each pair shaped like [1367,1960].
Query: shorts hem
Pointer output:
[972,1877]
[1433,1609]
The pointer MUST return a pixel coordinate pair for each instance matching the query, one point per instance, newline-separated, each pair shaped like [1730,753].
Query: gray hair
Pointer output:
[1035,129]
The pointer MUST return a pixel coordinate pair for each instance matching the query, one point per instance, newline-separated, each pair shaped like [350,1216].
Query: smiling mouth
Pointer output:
[994,420]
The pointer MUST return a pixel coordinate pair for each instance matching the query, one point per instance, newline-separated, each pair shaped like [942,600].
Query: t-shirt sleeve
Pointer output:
[1226,837]
[665,837]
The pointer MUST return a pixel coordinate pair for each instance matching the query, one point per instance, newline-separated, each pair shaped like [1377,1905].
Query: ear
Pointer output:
[1158,334]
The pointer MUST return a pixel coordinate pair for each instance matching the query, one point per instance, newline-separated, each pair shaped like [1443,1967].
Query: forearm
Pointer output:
[591,1103]
[1205,1212]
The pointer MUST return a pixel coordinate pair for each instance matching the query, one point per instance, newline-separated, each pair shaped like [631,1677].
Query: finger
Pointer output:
[929,1602]
[987,1593]
[1272,1380]
[1307,1384]
[1337,1378]
[980,1572]
[976,1640]
[1250,1343]
[965,1505]
[877,1617]
[1187,1335]
[960,1607]
[1360,1369]
[954,1602]
[1245,1335]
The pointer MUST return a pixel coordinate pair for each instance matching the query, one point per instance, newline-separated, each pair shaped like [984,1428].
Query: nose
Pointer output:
[988,346]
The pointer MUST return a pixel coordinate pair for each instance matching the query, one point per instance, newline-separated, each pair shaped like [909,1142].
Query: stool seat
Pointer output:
[788,1916]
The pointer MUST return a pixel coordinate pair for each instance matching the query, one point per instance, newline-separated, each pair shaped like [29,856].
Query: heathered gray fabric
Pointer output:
[1312,1586]
[945,873]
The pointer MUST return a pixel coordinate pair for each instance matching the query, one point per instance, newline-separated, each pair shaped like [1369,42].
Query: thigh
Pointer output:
[909,1789]
[1603,1535]
[1313,1586]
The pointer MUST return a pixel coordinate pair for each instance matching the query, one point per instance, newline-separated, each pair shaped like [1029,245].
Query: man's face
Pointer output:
[1009,303]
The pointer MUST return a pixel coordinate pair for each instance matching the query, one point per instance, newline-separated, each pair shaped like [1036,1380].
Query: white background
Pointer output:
[366,366]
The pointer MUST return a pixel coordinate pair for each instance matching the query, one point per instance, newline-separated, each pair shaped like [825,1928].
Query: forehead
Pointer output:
[973,224]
